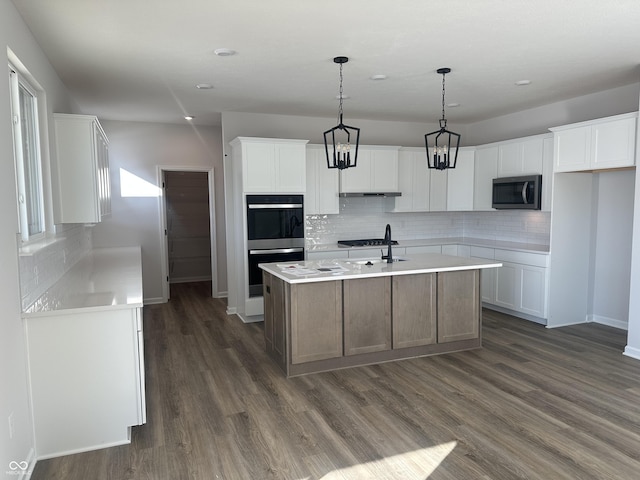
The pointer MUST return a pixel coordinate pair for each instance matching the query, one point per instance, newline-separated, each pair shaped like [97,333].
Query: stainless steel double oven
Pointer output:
[275,233]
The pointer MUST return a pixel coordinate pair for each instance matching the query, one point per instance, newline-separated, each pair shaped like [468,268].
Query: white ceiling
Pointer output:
[141,59]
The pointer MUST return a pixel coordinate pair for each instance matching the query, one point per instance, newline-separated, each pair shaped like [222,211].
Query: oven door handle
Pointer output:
[276,250]
[271,206]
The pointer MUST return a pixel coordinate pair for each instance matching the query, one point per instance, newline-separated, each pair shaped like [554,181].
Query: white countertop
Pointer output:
[106,278]
[476,242]
[311,271]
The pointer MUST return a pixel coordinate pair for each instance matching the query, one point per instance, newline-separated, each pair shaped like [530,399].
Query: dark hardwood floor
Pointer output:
[532,403]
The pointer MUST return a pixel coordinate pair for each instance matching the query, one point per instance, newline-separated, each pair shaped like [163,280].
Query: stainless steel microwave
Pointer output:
[523,193]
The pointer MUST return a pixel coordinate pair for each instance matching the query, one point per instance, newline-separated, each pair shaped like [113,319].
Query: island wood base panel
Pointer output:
[380,357]
[317,327]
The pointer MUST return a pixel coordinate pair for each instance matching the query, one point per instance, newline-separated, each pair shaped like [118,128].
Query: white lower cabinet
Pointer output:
[519,286]
[87,379]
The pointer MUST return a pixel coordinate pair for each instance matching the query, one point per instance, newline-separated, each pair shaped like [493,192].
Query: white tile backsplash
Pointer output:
[367,218]
[45,266]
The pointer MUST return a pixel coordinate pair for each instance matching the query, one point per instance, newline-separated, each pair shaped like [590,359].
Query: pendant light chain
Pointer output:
[443,99]
[340,105]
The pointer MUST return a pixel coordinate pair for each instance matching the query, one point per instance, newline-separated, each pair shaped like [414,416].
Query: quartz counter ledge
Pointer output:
[106,278]
[340,269]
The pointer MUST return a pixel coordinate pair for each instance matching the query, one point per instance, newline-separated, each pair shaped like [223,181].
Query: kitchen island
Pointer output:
[330,314]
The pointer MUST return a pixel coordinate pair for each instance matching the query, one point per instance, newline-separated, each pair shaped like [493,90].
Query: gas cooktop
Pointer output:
[367,242]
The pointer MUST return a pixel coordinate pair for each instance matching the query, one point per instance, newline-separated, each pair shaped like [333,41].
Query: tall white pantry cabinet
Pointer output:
[81,173]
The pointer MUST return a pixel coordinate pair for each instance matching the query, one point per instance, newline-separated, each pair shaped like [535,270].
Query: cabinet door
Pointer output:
[613,144]
[414,310]
[259,161]
[572,149]
[82,190]
[316,321]
[367,315]
[413,182]
[532,298]
[547,173]
[460,183]
[321,196]
[510,159]
[384,170]
[506,288]
[532,156]
[357,179]
[486,169]
[290,168]
[458,305]
[488,285]
[438,191]
[104,177]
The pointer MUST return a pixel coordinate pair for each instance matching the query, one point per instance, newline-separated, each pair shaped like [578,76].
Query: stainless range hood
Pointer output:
[370,194]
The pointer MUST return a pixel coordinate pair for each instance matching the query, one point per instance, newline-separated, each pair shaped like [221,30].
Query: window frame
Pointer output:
[29,190]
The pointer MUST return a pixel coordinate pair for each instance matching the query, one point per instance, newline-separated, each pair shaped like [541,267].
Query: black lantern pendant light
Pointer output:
[337,140]
[439,143]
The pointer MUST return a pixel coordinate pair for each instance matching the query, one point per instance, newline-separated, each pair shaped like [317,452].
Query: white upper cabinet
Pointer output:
[512,158]
[376,171]
[82,181]
[321,196]
[486,169]
[520,157]
[413,181]
[597,144]
[272,165]
[460,182]
[438,184]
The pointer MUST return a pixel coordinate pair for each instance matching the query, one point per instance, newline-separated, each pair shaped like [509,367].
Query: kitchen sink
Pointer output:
[373,261]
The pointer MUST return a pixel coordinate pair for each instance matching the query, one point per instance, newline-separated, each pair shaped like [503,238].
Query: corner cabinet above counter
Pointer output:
[81,179]
[86,355]
[597,144]
[271,165]
[334,315]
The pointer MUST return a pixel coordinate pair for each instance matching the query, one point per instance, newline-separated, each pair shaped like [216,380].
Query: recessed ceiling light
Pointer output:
[189,117]
[204,86]
[224,52]
[378,77]
[522,83]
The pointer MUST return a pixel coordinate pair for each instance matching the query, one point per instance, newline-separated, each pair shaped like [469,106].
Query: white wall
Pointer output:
[612,248]
[139,148]
[538,120]
[633,334]
[13,377]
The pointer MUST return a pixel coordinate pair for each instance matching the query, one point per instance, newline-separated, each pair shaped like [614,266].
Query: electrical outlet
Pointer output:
[11,425]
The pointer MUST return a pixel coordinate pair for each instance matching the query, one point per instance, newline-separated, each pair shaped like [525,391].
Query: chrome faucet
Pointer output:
[387,240]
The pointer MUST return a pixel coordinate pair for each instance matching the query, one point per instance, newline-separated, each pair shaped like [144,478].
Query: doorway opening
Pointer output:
[188,228]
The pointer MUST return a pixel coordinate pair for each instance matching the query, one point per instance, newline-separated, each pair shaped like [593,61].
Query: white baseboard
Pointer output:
[251,318]
[632,352]
[20,474]
[232,311]
[524,316]
[190,279]
[153,300]
[612,322]
[73,451]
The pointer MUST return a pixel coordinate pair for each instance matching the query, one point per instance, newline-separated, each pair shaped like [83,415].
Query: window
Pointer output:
[26,147]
